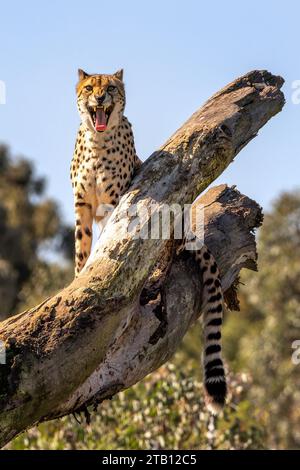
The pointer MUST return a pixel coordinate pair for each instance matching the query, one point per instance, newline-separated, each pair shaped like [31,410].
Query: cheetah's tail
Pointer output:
[214,373]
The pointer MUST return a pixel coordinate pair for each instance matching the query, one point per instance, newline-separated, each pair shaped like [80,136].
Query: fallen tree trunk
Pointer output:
[93,338]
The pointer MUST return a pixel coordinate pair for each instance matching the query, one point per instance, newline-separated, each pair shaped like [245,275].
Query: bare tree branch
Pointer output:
[93,338]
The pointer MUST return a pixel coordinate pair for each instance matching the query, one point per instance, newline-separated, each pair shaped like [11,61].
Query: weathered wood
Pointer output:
[54,349]
[153,334]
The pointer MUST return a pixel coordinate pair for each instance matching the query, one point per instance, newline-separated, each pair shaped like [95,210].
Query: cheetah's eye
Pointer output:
[89,87]
[111,88]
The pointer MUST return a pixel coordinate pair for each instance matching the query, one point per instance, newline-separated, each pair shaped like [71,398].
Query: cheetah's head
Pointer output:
[100,100]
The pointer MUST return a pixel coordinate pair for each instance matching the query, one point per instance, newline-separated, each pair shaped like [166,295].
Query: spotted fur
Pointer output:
[212,316]
[104,162]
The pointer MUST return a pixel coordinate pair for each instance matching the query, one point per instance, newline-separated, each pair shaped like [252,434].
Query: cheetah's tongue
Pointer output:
[100,124]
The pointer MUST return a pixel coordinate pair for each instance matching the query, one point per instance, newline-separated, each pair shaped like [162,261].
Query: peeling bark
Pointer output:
[94,338]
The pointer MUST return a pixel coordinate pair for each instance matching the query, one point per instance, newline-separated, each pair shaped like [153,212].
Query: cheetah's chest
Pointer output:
[113,174]
[103,176]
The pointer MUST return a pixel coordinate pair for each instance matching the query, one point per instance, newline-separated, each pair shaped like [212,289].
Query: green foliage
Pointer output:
[271,313]
[165,411]
[28,221]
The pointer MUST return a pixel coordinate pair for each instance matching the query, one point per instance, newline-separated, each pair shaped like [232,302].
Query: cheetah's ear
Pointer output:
[119,74]
[82,74]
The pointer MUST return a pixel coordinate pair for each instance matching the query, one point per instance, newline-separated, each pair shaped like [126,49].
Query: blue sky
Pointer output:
[175,55]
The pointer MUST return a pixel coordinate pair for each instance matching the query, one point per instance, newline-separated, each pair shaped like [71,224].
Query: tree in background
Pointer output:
[29,223]
[259,339]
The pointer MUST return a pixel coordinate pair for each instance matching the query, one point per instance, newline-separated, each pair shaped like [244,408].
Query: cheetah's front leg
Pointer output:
[83,234]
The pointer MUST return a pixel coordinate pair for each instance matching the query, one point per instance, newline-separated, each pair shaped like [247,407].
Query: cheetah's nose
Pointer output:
[100,99]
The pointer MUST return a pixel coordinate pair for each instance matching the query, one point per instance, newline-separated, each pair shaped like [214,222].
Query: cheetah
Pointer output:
[104,159]
[103,165]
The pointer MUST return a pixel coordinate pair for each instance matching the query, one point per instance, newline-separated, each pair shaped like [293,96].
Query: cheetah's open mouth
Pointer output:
[100,117]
